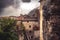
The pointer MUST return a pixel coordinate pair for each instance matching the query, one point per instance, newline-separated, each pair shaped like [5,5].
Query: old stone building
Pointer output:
[31,24]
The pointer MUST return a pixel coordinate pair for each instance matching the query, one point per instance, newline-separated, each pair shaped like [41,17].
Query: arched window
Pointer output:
[29,26]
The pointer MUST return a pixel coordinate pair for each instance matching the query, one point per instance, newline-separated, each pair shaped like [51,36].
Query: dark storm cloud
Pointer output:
[6,3]
[12,7]
[26,0]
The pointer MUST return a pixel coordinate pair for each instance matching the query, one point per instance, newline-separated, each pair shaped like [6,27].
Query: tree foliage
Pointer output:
[7,29]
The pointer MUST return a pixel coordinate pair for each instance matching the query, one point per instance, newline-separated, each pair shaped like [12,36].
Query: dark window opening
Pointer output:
[35,28]
[29,26]
[26,0]
[27,21]
[30,31]
[31,36]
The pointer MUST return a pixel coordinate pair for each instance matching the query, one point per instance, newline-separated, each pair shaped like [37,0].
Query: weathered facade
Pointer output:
[31,24]
[51,19]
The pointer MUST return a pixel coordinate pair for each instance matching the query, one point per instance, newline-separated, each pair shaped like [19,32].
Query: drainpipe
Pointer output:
[41,19]
[41,22]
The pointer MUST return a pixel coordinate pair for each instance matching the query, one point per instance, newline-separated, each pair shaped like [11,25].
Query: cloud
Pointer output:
[7,6]
[15,7]
[5,3]
[26,0]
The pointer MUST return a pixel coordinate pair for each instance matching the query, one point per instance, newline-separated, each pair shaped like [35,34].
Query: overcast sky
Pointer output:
[17,7]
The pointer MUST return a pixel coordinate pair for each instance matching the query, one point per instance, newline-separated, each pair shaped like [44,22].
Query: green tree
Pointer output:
[7,29]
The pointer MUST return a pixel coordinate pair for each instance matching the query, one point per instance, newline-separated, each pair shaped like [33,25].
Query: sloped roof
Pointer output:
[34,11]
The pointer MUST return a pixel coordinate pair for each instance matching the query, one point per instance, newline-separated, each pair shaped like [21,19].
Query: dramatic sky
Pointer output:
[17,7]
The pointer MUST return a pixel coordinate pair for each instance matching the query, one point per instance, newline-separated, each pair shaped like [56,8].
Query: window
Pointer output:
[30,31]
[31,36]
[29,26]
[26,0]
[27,21]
